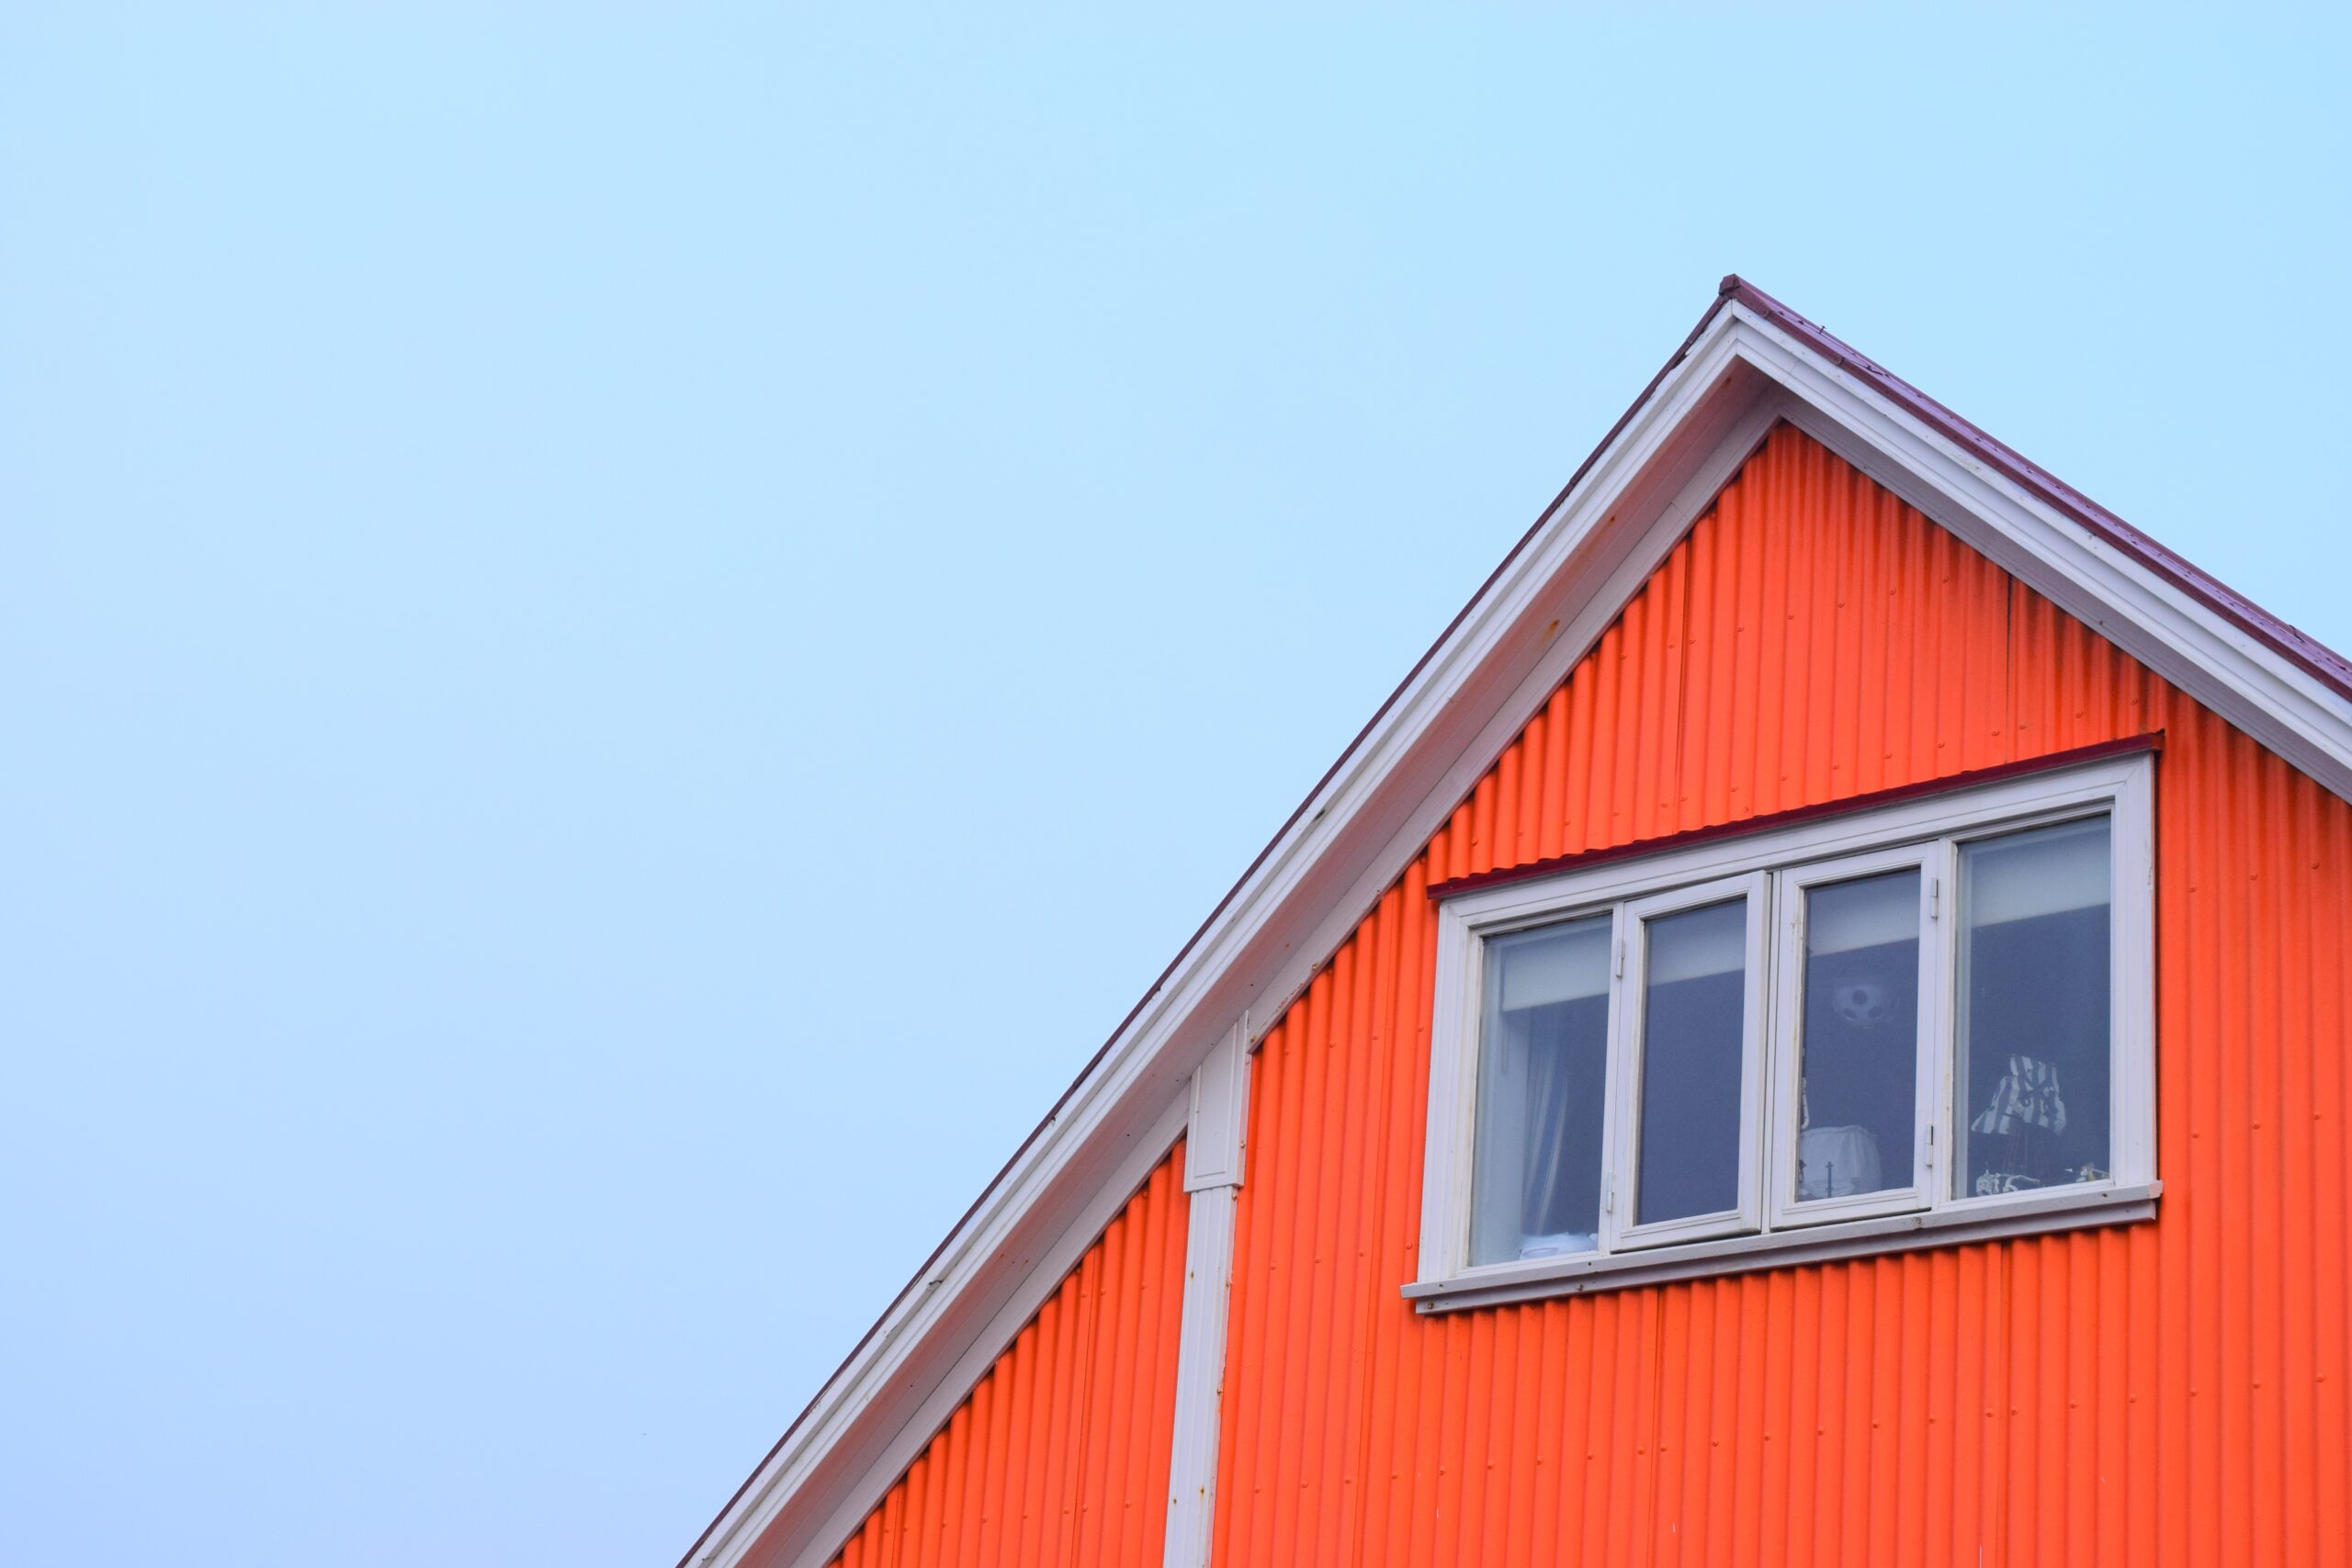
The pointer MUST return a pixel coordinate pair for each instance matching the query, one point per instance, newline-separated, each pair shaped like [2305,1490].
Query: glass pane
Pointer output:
[1693,1015]
[1859,1070]
[1543,1081]
[2034,993]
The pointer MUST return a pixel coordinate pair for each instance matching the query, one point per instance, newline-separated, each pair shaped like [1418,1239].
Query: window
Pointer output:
[1898,1024]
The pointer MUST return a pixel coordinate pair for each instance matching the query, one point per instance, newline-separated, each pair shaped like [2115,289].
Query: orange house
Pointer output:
[1814,1027]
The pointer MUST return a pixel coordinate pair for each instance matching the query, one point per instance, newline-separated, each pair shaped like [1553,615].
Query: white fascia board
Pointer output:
[2163,626]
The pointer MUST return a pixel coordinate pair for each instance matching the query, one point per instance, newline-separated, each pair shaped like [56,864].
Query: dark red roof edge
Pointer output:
[2303,649]
[2240,611]
[1844,806]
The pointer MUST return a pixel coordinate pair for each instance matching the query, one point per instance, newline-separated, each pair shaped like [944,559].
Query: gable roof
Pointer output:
[1749,364]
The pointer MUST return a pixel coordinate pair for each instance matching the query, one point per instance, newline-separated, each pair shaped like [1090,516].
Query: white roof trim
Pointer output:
[1541,612]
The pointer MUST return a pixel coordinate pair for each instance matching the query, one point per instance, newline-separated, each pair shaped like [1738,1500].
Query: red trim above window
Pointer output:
[2152,741]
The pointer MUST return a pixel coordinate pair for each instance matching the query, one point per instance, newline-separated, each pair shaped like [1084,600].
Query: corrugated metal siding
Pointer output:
[2170,1392]
[1060,1455]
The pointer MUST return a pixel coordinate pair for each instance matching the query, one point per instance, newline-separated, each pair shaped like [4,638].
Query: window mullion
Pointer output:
[1636,1046]
[1616,1137]
[1939,1002]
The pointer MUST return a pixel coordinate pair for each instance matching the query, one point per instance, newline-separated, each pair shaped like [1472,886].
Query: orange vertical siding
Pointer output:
[1060,1453]
[2168,1393]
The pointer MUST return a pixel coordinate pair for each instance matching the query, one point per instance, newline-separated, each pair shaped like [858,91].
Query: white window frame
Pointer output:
[1933,860]
[1772,1229]
[1628,1052]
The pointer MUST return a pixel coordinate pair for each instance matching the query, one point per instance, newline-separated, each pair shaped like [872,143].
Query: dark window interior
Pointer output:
[2038,987]
[1691,1073]
[1861,1062]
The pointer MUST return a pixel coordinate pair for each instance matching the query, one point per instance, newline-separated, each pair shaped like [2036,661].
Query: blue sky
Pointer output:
[623,638]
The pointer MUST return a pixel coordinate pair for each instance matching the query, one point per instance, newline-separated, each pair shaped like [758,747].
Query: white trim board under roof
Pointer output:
[1749,364]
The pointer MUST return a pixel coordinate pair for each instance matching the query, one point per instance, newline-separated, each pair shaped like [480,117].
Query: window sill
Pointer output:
[1979,1220]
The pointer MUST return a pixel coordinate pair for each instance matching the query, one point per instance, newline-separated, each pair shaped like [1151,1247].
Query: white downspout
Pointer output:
[1213,1150]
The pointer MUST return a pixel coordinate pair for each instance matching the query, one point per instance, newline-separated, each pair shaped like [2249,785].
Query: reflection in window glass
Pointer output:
[2034,995]
[1543,1081]
[1857,1088]
[1693,1012]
